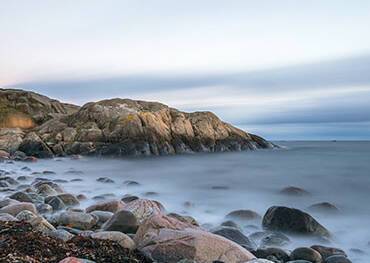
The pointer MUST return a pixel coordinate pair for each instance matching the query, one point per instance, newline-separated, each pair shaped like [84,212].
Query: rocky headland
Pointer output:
[35,125]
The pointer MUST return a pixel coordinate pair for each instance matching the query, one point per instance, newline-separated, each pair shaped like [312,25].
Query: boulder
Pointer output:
[277,253]
[144,208]
[77,220]
[41,224]
[56,203]
[110,206]
[279,218]
[306,253]
[119,237]
[15,209]
[33,145]
[69,199]
[46,190]
[21,197]
[10,138]
[123,221]
[60,234]
[324,207]
[103,216]
[75,260]
[182,218]
[165,239]
[8,201]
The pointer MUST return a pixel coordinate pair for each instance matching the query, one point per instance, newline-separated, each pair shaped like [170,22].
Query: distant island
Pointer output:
[35,125]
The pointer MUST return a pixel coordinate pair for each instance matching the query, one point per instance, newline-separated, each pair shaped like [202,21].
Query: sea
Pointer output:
[209,186]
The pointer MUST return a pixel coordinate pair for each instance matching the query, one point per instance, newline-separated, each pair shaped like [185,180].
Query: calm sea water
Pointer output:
[335,172]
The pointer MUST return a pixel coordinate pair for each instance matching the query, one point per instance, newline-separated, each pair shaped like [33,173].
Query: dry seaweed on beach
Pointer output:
[20,243]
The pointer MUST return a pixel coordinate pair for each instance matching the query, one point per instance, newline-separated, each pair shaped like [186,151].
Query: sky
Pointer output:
[282,69]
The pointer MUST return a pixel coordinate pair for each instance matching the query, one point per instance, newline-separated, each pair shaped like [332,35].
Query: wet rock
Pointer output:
[277,253]
[8,201]
[129,198]
[119,237]
[306,253]
[44,208]
[144,208]
[337,259]
[123,221]
[56,203]
[21,197]
[4,217]
[46,190]
[104,180]
[103,216]
[47,172]
[14,209]
[294,191]
[150,193]
[75,260]
[60,181]
[110,206]
[274,239]
[76,180]
[33,145]
[61,234]
[69,199]
[292,220]
[326,252]
[8,180]
[259,260]
[230,223]
[131,183]
[166,239]
[220,187]
[77,220]
[236,236]
[81,197]
[25,215]
[185,219]
[41,224]
[76,172]
[324,207]
[24,178]
[243,215]
[40,181]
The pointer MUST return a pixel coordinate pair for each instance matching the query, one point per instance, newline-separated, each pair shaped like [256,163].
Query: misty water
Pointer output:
[215,184]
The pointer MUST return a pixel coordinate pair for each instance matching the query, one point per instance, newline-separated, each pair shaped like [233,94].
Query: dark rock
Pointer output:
[236,236]
[326,252]
[274,239]
[306,253]
[243,215]
[337,259]
[56,203]
[292,220]
[131,183]
[230,223]
[324,207]
[104,180]
[294,191]
[21,197]
[278,253]
[129,198]
[123,221]
[110,206]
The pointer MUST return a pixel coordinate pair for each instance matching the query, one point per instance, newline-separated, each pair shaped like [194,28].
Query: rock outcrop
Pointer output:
[42,127]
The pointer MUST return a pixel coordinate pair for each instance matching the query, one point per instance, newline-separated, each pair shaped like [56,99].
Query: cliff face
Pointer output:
[126,127]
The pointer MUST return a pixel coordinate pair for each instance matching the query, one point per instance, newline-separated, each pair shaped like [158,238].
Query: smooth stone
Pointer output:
[81,197]
[77,220]
[61,234]
[69,199]
[306,253]
[110,206]
[41,224]
[4,217]
[75,260]
[243,215]
[291,220]
[274,239]
[76,180]
[131,183]
[46,190]
[294,191]
[40,181]
[21,197]
[104,180]
[123,221]
[14,209]
[231,223]
[129,198]
[326,252]
[144,208]
[44,208]
[121,238]
[8,201]
[56,203]
[9,180]
[324,207]
[103,216]
[182,218]
[236,236]
[25,215]
[24,178]
[166,239]
[278,253]
[60,181]
[337,259]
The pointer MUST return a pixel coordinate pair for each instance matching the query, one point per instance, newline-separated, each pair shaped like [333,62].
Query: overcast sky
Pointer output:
[284,69]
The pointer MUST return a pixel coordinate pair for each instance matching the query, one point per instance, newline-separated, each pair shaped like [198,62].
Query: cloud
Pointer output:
[335,91]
